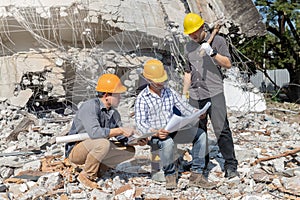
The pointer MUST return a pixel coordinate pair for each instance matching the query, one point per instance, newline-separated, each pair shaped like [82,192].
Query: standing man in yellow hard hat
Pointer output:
[203,78]
[154,107]
[101,121]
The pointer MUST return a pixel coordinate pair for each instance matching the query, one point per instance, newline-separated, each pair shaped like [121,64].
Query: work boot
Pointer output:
[171,182]
[103,169]
[86,181]
[231,173]
[158,176]
[199,180]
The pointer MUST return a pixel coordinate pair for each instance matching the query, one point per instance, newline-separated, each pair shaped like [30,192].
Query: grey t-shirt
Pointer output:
[206,76]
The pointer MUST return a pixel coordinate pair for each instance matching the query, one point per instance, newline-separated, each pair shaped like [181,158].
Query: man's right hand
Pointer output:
[207,48]
[126,131]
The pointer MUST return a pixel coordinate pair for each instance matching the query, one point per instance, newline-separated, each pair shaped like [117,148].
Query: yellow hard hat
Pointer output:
[110,83]
[154,71]
[192,22]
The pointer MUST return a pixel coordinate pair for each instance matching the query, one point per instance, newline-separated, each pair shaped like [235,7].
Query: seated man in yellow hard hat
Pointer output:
[154,107]
[101,121]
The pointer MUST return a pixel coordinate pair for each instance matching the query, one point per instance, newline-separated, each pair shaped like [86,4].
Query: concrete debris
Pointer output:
[21,99]
[48,84]
[256,135]
[21,127]
[52,85]
[240,99]
[97,22]
[35,77]
[51,80]
[241,95]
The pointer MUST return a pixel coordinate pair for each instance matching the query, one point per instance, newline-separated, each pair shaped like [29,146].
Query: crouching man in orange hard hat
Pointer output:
[154,107]
[101,121]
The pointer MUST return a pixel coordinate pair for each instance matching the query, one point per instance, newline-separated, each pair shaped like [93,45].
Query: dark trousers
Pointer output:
[218,116]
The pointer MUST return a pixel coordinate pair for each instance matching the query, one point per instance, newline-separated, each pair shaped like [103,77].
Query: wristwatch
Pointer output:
[214,53]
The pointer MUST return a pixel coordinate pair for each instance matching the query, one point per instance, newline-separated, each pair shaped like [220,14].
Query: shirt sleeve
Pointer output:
[87,114]
[141,115]
[221,46]
[187,65]
[117,118]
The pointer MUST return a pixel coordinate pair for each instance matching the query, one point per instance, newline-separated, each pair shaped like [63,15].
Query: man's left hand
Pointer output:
[142,142]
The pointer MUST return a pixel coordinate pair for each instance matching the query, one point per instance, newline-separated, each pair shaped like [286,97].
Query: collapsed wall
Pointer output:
[31,75]
[84,24]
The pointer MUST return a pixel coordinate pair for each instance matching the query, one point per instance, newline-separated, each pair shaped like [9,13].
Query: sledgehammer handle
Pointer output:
[213,34]
[211,38]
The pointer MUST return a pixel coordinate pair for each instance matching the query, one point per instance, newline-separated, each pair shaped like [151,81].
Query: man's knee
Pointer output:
[99,145]
[167,144]
[168,141]
[201,135]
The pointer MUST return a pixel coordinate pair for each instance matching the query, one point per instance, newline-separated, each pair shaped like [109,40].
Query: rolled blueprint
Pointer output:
[72,138]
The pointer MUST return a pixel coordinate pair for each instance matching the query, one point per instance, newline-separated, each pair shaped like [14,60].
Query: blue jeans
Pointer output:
[167,149]
[199,151]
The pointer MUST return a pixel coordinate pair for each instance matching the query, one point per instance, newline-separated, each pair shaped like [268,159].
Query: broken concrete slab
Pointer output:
[34,62]
[22,98]
[241,100]
[30,175]
[51,181]
[150,21]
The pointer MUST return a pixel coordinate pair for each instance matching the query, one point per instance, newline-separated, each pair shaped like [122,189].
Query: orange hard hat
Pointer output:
[110,83]
[191,23]
[154,71]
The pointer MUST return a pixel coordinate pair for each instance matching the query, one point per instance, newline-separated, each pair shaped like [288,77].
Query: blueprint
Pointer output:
[175,123]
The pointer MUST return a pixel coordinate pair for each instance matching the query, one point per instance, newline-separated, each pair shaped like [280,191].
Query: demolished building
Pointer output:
[53,52]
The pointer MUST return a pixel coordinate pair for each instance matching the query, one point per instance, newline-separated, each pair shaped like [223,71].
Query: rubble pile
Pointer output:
[41,90]
[32,165]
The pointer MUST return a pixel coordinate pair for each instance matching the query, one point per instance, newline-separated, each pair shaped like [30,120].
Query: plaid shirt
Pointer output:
[154,112]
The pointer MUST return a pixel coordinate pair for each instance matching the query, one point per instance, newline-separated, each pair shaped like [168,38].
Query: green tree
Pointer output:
[280,47]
